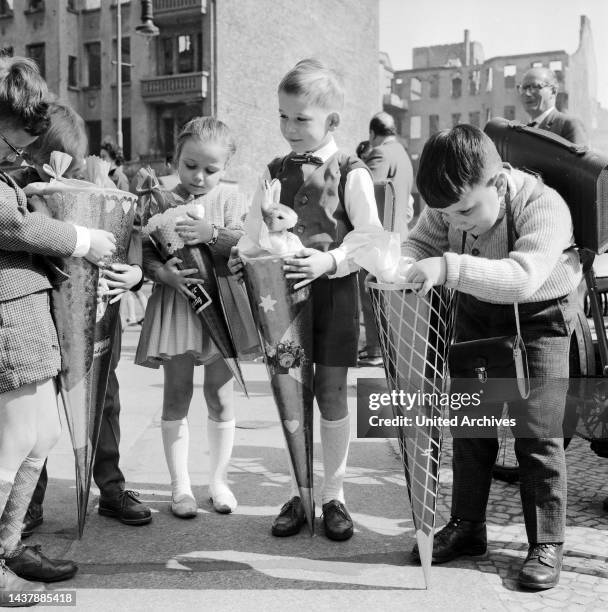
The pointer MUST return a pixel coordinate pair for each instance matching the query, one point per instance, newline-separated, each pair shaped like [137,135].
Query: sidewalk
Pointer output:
[232,562]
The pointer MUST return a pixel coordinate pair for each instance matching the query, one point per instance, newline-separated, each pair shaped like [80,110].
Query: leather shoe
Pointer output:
[290,519]
[336,520]
[125,507]
[11,585]
[542,566]
[457,538]
[31,564]
[33,518]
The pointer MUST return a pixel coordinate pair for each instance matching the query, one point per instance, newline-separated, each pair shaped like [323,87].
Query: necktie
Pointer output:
[306,158]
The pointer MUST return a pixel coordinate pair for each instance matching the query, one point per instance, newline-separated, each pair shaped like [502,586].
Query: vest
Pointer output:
[318,202]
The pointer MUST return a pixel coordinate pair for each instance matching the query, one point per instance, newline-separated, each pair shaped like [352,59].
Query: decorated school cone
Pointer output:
[284,322]
[85,323]
[415,334]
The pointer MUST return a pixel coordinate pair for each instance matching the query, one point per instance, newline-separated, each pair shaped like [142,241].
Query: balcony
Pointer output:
[175,88]
[174,10]
[394,102]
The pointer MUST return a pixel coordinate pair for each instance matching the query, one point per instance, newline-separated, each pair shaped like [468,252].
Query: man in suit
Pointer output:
[537,92]
[386,158]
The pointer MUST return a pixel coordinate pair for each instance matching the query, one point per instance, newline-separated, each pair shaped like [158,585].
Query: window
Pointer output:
[509,73]
[557,67]
[455,119]
[434,83]
[166,59]
[536,64]
[7,51]
[125,53]
[72,5]
[474,118]
[168,128]
[488,114]
[185,53]
[72,71]
[433,124]
[474,82]
[94,135]
[36,52]
[489,79]
[509,113]
[415,89]
[126,137]
[181,53]
[415,127]
[456,87]
[34,6]
[93,55]
[6,8]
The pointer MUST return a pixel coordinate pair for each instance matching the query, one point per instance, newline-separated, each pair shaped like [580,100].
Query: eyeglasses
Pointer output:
[533,87]
[15,151]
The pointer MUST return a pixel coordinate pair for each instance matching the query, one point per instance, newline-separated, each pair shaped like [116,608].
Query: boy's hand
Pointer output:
[430,272]
[235,263]
[308,264]
[194,230]
[169,274]
[120,278]
[103,244]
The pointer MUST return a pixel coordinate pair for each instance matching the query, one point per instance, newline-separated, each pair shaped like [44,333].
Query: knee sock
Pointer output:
[335,439]
[220,436]
[176,442]
[11,522]
[295,492]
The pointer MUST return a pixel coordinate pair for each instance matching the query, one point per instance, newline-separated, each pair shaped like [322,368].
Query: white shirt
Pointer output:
[542,117]
[360,204]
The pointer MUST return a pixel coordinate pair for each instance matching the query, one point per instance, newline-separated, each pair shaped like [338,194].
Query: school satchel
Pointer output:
[496,368]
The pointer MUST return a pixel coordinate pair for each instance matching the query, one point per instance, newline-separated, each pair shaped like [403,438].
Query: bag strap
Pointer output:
[510,232]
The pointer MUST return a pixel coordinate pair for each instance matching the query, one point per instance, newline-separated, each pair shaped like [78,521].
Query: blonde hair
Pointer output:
[206,129]
[317,83]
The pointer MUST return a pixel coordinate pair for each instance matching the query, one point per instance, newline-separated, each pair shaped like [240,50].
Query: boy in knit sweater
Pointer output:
[461,242]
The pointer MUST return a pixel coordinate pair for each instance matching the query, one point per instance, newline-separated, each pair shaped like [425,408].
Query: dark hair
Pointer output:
[23,95]
[317,83]
[453,160]
[113,151]
[206,129]
[382,124]
[66,133]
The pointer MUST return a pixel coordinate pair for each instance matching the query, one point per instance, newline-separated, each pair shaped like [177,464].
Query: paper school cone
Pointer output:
[284,321]
[85,327]
[208,303]
[415,335]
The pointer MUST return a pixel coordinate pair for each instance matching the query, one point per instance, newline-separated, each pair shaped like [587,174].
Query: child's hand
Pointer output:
[120,278]
[235,263]
[308,264]
[169,274]
[430,272]
[194,230]
[103,244]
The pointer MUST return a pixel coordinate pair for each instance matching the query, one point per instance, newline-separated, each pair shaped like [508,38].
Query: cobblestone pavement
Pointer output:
[584,578]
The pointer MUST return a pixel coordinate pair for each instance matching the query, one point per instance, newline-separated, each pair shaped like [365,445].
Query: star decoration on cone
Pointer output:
[268,303]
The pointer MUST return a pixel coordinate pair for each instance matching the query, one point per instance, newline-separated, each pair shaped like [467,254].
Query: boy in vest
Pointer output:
[333,194]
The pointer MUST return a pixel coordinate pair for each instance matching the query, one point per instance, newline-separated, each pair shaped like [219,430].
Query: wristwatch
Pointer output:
[214,235]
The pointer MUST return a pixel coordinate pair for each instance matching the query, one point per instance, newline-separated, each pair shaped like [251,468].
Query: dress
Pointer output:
[170,325]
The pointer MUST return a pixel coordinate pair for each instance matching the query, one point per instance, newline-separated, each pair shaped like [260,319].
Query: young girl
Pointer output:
[29,351]
[173,335]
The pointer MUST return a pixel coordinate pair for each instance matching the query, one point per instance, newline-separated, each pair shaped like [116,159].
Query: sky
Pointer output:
[503,27]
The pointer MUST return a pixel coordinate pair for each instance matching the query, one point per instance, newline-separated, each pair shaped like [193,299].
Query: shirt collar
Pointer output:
[543,116]
[326,151]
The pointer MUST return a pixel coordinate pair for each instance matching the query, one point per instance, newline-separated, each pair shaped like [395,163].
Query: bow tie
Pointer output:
[306,158]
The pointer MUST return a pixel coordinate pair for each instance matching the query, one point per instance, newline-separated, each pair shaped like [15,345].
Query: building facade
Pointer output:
[220,57]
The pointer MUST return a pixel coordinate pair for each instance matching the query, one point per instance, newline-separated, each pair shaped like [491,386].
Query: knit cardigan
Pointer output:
[542,266]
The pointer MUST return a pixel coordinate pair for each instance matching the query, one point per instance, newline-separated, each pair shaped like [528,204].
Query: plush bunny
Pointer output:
[279,219]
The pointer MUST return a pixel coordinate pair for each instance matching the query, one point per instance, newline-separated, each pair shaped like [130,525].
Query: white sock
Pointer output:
[335,439]
[295,492]
[176,441]
[220,436]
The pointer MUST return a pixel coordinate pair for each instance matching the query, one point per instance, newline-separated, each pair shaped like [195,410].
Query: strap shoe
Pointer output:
[290,519]
[457,538]
[542,566]
[31,564]
[336,520]
[125,507]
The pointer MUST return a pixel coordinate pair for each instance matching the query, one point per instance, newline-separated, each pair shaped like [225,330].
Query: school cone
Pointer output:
[85,327]
[284,321]
[415,334]
[209,302]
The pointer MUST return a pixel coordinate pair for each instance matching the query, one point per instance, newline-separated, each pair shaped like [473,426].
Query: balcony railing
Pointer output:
[162,7]
[175,87]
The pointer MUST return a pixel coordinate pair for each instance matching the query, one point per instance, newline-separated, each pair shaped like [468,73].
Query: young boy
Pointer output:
[333,194]
[461,242]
